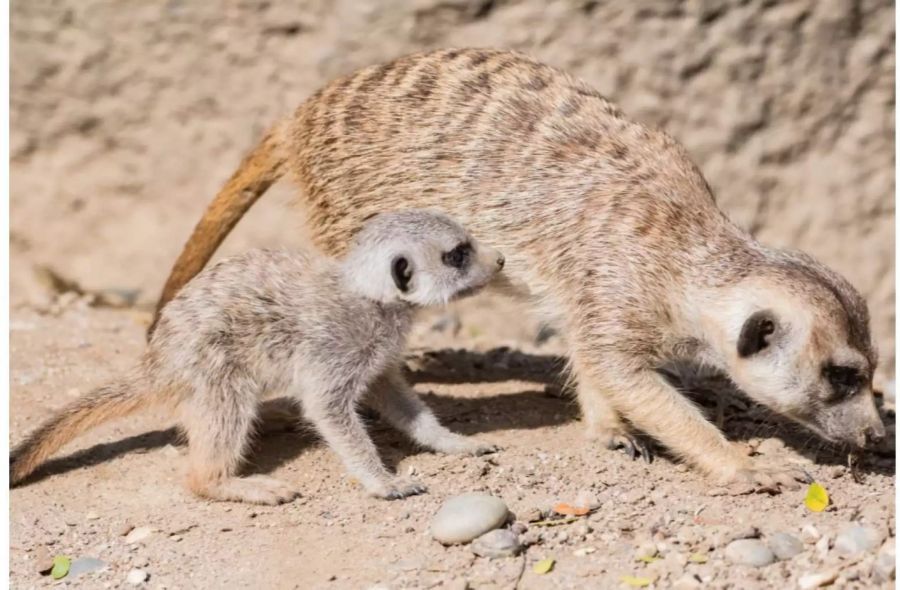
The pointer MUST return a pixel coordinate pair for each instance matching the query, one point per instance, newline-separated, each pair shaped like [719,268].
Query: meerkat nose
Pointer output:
[501,260]
[875,433]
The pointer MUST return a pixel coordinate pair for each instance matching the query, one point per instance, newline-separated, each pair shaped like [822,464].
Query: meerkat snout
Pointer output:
[432,261]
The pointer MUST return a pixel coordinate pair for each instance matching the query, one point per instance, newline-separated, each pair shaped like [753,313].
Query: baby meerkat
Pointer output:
[330,332]
[608,226]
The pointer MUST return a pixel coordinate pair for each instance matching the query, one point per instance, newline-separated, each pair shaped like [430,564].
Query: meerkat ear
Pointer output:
[756,333]
[401,272]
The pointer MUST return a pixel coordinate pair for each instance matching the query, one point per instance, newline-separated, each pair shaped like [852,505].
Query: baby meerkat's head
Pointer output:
[419,256]
[800,344]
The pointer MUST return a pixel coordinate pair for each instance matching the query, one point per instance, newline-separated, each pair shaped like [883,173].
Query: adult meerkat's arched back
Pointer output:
[605,221]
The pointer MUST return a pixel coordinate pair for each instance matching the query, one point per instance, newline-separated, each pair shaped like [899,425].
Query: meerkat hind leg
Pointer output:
[218,435]
[394,400]
[337,421]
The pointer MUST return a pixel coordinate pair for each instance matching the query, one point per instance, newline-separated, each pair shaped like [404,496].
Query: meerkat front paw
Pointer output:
[398,488]
[769,478]
[619,439]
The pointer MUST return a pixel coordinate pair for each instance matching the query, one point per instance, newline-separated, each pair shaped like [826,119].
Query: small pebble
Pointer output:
[632,496]
[817,579]
[646,550]
[139,534]
[92,516]
[885,565]
[587,499]
[43,561]
[855,539]
[532,515]
[83,565]
[822,546]
[686,582]
[717,491]
[785,546]
[581,552]
[468,516]
[125,529]
[497,543]
[749,552]
[137,577]
[810,534]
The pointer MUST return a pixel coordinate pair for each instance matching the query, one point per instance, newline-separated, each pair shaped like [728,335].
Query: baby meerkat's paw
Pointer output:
[398,488]
[455,444]
[770,478]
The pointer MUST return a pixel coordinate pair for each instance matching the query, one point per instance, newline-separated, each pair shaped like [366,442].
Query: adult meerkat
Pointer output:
[607,224]
[329,332]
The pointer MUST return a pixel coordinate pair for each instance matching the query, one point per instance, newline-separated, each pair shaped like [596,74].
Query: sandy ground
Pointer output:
[129,475]
[127,116]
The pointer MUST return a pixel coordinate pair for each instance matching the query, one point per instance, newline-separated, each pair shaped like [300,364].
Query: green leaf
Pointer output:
[816,497]
[636,582]
[543,566]
[61,565]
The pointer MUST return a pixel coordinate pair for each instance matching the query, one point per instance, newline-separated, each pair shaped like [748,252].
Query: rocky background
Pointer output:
[127,116]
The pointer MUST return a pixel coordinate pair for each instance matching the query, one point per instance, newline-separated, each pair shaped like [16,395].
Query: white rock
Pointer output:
[810,534]
[137,577]
[497,543]
[139,534]
[468,516]
[817,579]
[785,546]
[884,568]
[686,582]
[749,552]
[856,539]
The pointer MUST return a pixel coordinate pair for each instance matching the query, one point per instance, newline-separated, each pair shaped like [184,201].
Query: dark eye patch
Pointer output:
[459,256]
[845,381]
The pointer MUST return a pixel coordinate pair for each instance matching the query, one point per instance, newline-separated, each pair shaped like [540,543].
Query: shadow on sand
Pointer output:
[544,401]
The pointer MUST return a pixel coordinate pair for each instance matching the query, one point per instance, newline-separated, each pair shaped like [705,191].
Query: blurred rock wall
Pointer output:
[127,115]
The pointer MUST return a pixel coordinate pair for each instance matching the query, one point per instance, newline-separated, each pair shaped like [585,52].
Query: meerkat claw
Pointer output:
[630,446]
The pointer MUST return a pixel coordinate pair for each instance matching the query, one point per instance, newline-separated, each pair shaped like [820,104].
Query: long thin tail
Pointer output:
[114,400]
[258,171]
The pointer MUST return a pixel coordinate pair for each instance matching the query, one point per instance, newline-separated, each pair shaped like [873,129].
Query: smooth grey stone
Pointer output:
[83,565]
[749,552]
[785,546]
[468,516]
[497,543]
[855,539]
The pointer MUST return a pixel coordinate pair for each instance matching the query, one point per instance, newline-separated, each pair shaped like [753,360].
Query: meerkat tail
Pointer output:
[259,170]
[116,399]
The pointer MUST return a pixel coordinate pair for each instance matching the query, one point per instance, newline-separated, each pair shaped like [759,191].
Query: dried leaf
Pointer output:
[698,558]
[544,566]
[816,497]
[636,582]
[61,565]
[569,510]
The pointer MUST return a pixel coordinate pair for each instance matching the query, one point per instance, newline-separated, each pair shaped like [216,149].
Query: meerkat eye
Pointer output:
[457,257]
[844,381]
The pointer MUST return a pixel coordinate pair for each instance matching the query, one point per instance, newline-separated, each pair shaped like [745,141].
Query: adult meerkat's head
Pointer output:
[418,256]
[796,339]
